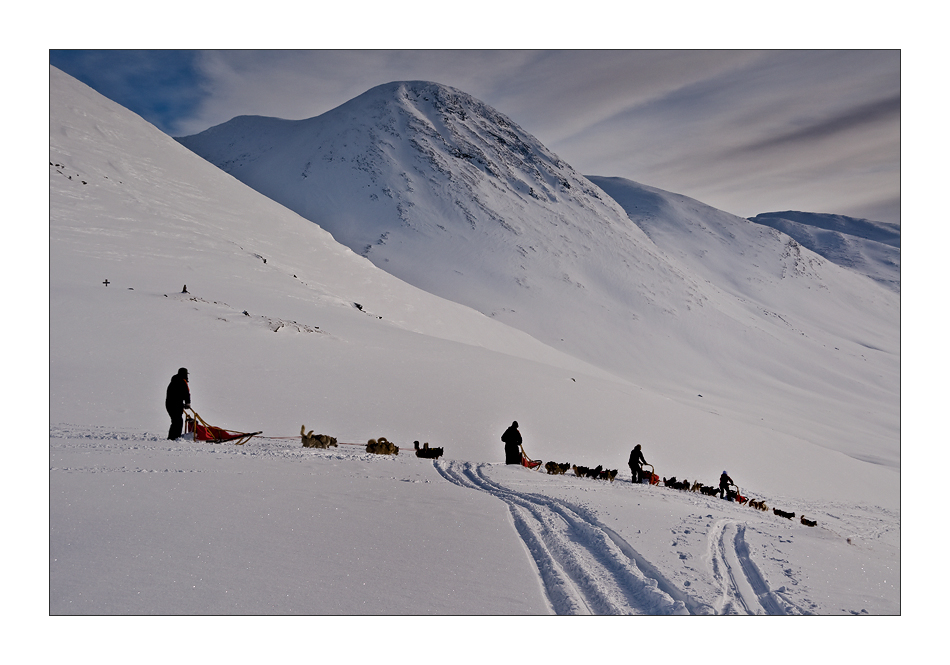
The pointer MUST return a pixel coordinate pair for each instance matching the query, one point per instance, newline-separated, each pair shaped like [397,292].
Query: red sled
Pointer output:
[204,432]
[733,495]
[651,476]
[528,462]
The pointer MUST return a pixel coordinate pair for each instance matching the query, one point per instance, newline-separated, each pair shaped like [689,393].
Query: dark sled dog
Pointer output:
[426,452]
[676,484]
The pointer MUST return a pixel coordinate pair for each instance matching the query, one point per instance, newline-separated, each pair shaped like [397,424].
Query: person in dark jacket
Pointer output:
[512,439]
[177,399]
[724,482]
[636,463]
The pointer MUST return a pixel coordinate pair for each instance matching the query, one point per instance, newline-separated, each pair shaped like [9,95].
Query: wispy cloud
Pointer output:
[884,110]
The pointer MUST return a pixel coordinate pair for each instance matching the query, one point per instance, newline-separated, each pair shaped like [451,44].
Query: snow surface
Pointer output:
[273,338]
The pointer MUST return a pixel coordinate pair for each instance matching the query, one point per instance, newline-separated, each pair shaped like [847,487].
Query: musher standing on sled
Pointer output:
[512,439]
[636,464]
[724,482]
[177,399]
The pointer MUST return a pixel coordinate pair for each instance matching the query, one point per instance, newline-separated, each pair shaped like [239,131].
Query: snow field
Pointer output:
[147,526]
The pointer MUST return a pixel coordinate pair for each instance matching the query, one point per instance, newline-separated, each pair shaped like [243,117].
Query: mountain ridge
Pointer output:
[865,246]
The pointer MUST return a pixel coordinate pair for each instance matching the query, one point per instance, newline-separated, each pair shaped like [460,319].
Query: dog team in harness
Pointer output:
[178,401]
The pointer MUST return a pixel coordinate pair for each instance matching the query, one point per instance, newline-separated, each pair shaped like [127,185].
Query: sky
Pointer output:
[745,131]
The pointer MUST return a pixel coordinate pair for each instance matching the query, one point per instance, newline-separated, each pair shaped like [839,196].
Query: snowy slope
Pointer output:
[868,247]
[450,195]
[821,329]
[272,336]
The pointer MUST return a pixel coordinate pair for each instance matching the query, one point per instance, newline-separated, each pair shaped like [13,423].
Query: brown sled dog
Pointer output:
[608,474]
[311,440]
[381,446]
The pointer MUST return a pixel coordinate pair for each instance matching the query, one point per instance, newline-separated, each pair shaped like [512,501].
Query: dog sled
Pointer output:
[732,494]
[528,462]
[650,477]
[202,431]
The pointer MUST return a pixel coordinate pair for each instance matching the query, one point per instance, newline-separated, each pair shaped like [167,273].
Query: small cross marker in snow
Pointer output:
[106,282]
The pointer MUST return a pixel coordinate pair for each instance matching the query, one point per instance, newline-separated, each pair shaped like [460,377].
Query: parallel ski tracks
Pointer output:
[743,588]
[585,568]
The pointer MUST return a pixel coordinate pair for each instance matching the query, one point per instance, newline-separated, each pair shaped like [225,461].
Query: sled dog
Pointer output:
[381,446]
[426,452]
[311,440]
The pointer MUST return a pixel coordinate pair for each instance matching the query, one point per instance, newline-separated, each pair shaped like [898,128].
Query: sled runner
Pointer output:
[204,432]
[528,462]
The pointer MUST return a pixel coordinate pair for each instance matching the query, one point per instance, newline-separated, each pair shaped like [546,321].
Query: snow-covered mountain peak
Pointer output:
[446,120]
[439,119]
[405,158]
[450,195]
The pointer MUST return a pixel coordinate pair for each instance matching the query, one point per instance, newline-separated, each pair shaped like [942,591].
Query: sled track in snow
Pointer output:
[585,568]
[744,589]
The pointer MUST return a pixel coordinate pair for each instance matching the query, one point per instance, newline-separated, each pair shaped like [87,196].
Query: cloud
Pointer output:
[883,110]
[745,131]
[303,84]
[811,130]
